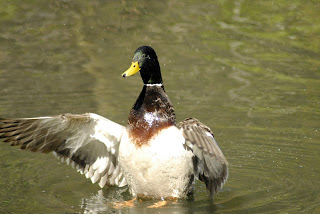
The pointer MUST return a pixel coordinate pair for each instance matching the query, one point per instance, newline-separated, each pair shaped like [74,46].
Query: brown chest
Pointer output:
[151,113]
[144,127]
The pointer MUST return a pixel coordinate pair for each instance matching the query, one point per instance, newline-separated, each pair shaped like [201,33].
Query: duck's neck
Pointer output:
[152,112]
[151,73]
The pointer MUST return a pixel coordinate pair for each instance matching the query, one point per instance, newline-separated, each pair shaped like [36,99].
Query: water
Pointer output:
[248,69]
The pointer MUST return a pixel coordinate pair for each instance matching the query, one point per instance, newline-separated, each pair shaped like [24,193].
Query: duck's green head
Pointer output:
[146,61]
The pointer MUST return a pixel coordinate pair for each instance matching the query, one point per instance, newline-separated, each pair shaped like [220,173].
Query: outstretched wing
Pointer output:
[88,142]
[210,165]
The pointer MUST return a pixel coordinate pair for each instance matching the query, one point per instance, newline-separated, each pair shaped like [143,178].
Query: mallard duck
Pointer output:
[155,156]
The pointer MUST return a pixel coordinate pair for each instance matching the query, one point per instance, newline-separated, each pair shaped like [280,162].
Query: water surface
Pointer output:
[247,69]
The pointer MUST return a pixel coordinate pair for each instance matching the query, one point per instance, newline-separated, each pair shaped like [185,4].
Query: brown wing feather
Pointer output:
[210,165]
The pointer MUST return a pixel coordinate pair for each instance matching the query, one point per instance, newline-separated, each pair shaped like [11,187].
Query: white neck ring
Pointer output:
[156,84]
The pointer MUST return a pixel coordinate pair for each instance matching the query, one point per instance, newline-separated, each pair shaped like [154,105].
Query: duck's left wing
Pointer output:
[88,142]
[210,165]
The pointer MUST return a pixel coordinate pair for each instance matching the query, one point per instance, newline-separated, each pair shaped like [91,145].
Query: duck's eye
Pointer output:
[134,66]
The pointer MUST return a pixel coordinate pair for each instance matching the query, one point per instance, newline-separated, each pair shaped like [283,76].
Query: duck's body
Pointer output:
[153,155]
[154,170]
[151,130]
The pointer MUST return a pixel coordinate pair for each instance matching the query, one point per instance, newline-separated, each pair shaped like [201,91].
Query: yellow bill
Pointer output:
[134,68]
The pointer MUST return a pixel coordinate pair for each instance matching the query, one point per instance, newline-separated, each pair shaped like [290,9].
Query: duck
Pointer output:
[153,155]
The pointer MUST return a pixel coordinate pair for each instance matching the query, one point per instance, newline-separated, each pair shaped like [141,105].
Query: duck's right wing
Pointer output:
[88,142]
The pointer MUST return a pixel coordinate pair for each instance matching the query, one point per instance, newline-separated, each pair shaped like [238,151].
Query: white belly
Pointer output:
[161,169]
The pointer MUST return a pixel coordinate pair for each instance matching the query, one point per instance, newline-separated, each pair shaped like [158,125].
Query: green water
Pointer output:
[248,69]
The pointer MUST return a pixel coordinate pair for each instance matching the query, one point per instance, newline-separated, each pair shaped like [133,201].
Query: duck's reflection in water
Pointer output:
[103,201]
[106,201]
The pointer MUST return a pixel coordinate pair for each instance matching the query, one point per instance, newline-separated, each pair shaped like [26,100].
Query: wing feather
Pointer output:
[88,142]
[210,165]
